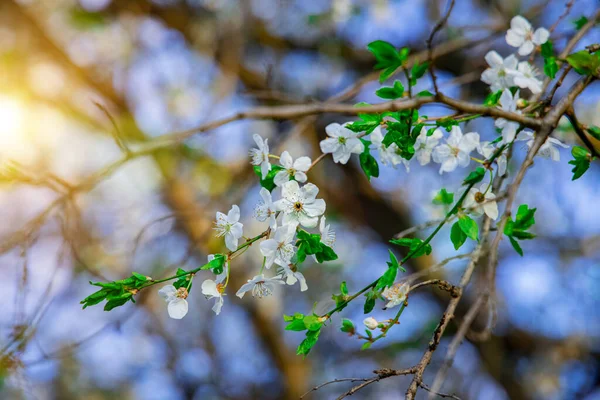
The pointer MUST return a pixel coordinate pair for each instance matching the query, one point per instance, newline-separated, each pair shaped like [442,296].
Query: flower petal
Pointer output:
[286,160]
[177,308]
[302,164]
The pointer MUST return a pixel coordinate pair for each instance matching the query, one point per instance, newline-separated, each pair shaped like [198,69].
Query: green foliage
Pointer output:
[492,99]
[443,198]
[594,131]
[367,123]
[389,59]
[417,71]
[517,229]
[340,299]
[424,93]
[389,276]
[348,326]
[371,296]
[399,132]
[216,264]
[416,246]
[391,93]
[116,293]
[581,161]
[310,244]
[580,22]
[550,65]
[468,226]
[475,176]
[457,236]
[268,183]
[307,344]
[584,62]
[368,163]
[446,123]
[184,280]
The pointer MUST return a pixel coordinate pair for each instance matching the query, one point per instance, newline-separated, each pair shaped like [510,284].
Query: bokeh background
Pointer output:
[161,66]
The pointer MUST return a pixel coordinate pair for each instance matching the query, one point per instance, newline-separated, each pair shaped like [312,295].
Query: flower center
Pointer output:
[182,293]
[297,206]
[261,290]
[342,140]
[479,197]
[502,73]
[220,287]
[454,151]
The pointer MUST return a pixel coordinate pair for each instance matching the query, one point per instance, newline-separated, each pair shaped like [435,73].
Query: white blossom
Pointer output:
[486,149]
[371,323]
[279,249]
[260,286]
[508,102]
[293,169]
[424,145]
[230,227]
[265,209]
[389,155]
[522,35]
[327,234]
[292,275]
[300,205]
[213,290]
[548,149]
[456,151]
[396,294]
[501,73]
[260,155]
[341,143]
[526,78]
[480,201]
[176,299]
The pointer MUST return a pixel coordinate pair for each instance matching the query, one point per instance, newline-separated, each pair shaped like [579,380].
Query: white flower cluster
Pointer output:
[298,206]
[504,73]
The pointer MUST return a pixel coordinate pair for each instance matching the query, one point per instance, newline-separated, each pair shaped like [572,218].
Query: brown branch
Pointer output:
[435,30]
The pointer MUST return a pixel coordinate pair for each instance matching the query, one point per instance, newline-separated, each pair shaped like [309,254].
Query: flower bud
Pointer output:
[371,323]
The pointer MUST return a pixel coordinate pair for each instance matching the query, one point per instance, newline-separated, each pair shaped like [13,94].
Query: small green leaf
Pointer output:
[424,93]
[370,301]
[580,167]
[475,176]
[443,198]
[368,163]
[584,62]
[580,22]
[417,71]
[344,288]
[391,93]
[348,326]
[516,245]
[366,345]
[493,99]
[308,343]
[468,226]
[312,323]
[594,131]
[457,236]
[550,65]
[268,183]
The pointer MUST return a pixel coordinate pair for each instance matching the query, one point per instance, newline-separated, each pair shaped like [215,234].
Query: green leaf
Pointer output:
[468,226]
[388,278]
[391,93]
[310,244]
[443,198]
[457,236]
[550,65]
[312,323]
[295,322]
[308,343]
[368,163]
[475,176]
[525,217]
[348,326]
[580,167]
[216,264]
[417,71]
[424,93]
[580,22]
[370,301]
[416,246]
[516,245]
[268,183]
[366,345]
[344,288]
[493,99]
[584,62]
[182,281]
[367,123]
[388,58]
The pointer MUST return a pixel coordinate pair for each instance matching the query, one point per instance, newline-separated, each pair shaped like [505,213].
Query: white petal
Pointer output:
[258,140]
[329,145]
[281,177]
[218,305]
[231,242]
[266,196]
[291,191]
[520,25]
[514,39]
[491,210]
[540,36]
[354,145]
[333,130]
[245,287]
[265,167]
[341,155]
[167,292]
[209,288]
[302,164]
[316,208]
[526,48]
[234,214]
[302,280]
[286,160]
[307,221]
[300,176]
[310,192]
[177,308]
[493,59]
